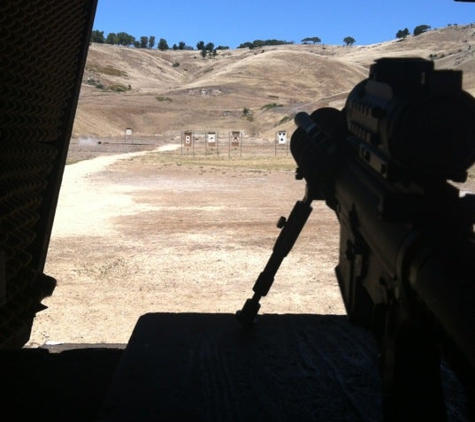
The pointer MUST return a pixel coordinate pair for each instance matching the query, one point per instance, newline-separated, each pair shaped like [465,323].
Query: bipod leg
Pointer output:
[291,229]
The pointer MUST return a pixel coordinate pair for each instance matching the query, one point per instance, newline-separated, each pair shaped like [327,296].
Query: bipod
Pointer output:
[290,230]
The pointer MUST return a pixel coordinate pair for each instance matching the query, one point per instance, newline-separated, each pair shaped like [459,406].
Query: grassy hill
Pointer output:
[160,94]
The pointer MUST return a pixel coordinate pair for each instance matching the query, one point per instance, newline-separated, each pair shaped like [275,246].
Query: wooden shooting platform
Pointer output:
[206,367]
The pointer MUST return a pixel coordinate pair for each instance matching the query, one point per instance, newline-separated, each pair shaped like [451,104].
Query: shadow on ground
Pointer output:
[206,367]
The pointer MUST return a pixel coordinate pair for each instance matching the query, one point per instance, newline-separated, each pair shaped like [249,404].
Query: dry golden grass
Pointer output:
[169,92]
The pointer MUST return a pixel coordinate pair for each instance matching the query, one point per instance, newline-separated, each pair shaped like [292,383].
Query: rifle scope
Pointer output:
[417,116]
[415,119]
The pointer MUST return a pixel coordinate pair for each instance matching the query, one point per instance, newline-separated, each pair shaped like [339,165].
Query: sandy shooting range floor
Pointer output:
[132,236]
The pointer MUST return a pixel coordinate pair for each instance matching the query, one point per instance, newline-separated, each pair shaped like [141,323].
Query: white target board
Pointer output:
[188,139]
[282,137]
[211,138]
[235,138]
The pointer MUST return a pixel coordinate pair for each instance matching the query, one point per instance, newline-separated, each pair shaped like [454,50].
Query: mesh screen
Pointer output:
[42,53]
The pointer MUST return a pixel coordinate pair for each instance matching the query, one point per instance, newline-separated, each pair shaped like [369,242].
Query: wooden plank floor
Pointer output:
[205,367]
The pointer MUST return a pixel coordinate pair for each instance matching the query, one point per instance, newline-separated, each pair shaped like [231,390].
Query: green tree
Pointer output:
[98,36]
[420,29]
[314,40]
[200,45]
[402,33]
[209,47]
[125,39]
[163,45]
[349,40]
[247,113]
[181,45]
[112,39]
[151,41]
[276,42]
[259,43]
[143,42]
[248,44]
[204,52]
[262,43]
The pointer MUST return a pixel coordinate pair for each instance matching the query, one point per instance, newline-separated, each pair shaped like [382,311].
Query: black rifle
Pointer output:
[385,164]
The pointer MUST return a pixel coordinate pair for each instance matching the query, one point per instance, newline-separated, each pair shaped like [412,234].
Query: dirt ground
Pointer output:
[136,236]
[131,237]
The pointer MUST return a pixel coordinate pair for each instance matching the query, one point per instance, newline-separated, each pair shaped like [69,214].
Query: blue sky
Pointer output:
[233,22]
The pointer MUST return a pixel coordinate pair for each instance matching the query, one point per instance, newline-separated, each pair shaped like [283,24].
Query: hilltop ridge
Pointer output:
[161,93]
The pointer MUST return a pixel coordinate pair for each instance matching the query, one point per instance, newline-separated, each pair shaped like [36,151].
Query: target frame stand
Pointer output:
[187,142]
[281,142]
[235,142]
[128,135]
[211,142]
